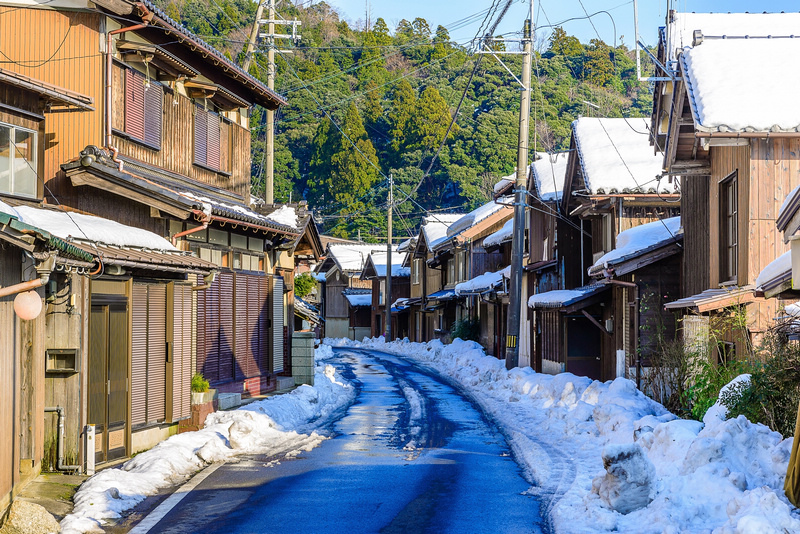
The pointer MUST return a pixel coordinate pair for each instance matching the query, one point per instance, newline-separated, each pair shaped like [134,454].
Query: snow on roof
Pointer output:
[350,257]
[639,240]
[504,182]
[501,236]
[563,297]
[5,208]
[792,309]
[285,215]
[78,227]
[434,227]
[359,299]
[549,172]
[776,268]
[379,260]
[788,201]
[616,156]
[475,216]
[723,98]
[683,25]
[482,283]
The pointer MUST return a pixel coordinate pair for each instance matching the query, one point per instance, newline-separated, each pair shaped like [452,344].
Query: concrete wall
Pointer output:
[337,327]
[303,358]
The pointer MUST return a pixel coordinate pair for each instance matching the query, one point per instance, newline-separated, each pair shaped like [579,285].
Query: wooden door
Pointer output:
[584,348]
[108,378]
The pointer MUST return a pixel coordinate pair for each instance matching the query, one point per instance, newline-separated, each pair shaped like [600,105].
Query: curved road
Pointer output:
[410,455]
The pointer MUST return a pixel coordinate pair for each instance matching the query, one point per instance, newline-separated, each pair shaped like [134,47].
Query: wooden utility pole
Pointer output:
[271,38]
[388,299]
[520,200]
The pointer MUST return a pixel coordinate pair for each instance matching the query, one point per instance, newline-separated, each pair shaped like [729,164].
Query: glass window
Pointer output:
[18,149]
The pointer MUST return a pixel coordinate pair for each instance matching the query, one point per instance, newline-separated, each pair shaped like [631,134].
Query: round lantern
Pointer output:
[28,305]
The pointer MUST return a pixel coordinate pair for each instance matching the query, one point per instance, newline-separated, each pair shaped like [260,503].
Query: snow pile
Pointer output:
[549,173]
[78,227]
[506,233]
[616,155]
[284,215]
[719,476]
[779,267]
[639,240]
[477,215]
[283,424]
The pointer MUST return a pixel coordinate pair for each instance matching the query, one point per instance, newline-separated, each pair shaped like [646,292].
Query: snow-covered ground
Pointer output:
[718,477]
[283,424]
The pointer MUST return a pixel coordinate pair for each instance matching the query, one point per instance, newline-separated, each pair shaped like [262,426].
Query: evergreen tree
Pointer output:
[403,109]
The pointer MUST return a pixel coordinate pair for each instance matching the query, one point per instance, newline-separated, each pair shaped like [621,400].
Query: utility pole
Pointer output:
[520,189]
[388,298]
[271,38]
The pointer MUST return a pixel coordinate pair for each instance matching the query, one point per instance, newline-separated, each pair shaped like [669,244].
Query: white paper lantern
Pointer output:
[28,305]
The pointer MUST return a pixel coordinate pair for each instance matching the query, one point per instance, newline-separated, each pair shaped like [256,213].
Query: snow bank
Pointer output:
[283,424]
[717,477]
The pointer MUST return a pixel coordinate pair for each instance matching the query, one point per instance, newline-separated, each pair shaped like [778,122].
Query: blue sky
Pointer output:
[651,14]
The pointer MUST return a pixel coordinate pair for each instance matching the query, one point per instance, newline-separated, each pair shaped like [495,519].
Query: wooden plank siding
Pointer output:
[61,48]
[10,273]
[696,221]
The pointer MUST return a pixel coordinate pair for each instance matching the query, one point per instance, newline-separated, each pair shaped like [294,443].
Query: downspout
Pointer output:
[60,440]
[147,16]
[205,219]
[635,288]
[43,269]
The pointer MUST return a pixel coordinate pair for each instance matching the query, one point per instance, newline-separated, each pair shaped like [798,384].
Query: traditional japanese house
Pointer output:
[427,286]
[342,267]
[376,269]
[735,146]
[545,187]
[644,274]
[461,256]
[161,143]
[612,183]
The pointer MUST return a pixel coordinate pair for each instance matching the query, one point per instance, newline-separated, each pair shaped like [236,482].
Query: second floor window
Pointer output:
[416,269]
[18,148]
[729,228]
[140,115]
[207,139]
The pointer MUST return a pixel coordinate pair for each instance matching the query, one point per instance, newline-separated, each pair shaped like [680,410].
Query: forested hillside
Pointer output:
[369,102]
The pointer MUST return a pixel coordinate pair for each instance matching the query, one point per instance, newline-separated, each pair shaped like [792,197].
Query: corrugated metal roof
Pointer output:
[714,299]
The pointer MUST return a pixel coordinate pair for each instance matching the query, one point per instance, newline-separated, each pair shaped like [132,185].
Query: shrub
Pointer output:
[771,397]
[199,384]
[466,329]
[304,284]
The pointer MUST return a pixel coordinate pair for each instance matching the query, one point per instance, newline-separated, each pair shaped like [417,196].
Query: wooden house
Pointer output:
[465,259]
[376,270]
[734,146]
[342,266]
[612,183]
[159,140]
[427,287]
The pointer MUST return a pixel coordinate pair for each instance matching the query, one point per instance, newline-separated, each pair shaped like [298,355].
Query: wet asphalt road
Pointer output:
[410,455]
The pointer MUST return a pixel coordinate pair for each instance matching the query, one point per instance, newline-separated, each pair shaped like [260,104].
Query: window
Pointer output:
[462,265]
[143,109]
[18,150]
[729,228]
[415,269]
[206,138]
[451,270]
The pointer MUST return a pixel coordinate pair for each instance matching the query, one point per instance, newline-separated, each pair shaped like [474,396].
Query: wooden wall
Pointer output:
[696,235]
[67,328]
[61,48]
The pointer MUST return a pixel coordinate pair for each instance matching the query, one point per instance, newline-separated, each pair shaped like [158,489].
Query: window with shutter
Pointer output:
[207,139]
[149,357]
[143,109]
[277,325]
[182,352]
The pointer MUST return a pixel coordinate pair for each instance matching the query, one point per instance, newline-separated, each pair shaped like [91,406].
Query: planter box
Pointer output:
[202,398]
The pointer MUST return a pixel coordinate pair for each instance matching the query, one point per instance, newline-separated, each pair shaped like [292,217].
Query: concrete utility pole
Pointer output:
[387,300]
[520,189]
[271,38]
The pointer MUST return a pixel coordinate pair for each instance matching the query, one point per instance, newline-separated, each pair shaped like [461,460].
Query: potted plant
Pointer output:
[201,393]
